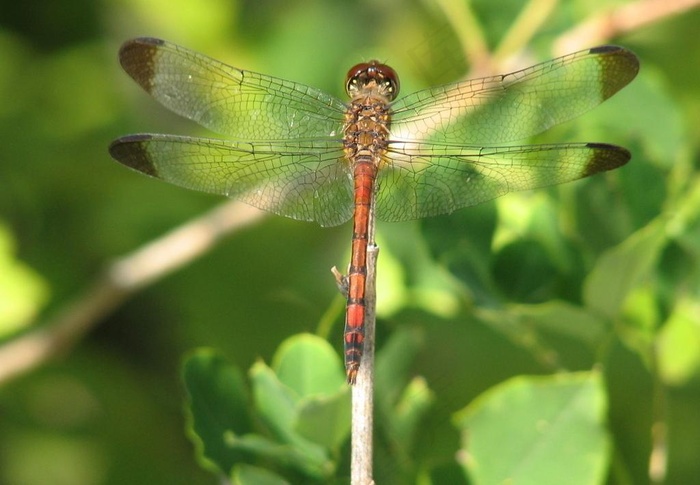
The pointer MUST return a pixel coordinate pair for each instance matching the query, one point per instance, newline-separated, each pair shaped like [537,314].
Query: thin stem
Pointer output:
[530,20]
[658,458]
[123,277]
[614,23]
[468,29]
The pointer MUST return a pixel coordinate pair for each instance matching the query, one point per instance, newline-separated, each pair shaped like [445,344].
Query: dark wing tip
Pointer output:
[137,58]
[603,49]
[131,151]
[152,41]
[606,157]
[621,64]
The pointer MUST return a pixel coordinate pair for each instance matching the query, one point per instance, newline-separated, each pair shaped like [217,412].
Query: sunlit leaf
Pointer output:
[279,409]
[309,365]
[407,413]
[563,318]
[393,364]
[251,475]
[679,344]
[22,291]
[621,268]
[537,430]
[326,420]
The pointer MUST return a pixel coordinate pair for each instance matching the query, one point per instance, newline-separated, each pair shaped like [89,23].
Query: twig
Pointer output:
[620,21]
[529,21]
[469,32]
[122,278]
[658,458]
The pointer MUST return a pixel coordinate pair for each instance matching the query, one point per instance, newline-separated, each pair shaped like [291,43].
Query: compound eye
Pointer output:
[372,75]
[389,79]
[354,79]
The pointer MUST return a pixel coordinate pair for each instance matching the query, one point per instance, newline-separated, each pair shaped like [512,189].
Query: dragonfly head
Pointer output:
[372,78]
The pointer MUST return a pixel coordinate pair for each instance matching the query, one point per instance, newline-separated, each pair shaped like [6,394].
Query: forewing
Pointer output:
[240,104]
[302,180]
[514,106]
[413,185]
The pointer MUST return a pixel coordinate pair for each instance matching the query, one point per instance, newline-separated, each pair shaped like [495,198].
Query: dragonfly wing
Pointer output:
[413,185]
[229,101]
[509,107]
[298,179]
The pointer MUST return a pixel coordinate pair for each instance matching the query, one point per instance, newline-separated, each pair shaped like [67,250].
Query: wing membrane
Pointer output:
[510,107]
[241,104]
[298,179]
[413,185]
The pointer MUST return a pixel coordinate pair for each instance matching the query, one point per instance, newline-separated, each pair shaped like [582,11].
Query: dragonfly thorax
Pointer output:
[366,130]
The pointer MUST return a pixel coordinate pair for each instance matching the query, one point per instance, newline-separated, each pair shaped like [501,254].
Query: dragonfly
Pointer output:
[299,152]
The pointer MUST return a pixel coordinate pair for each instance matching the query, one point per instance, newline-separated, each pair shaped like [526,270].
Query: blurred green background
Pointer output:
[470,288]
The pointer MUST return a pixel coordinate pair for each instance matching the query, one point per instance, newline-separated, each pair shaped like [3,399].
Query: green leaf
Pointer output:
[563,318]
[309,365]
[221,426]
[275,402]
[620,269]
[408,277]
[408,412]
[251,475]
[679,344]
[539,431]
[524,271]
[640,321]
[278,407]
[217,402]
[22,291]
[326,420]
[393,364]
[280,454]
[661,141]
[532,216]
[462,243]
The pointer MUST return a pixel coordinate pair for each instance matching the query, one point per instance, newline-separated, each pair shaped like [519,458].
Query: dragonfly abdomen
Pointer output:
[365,174]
